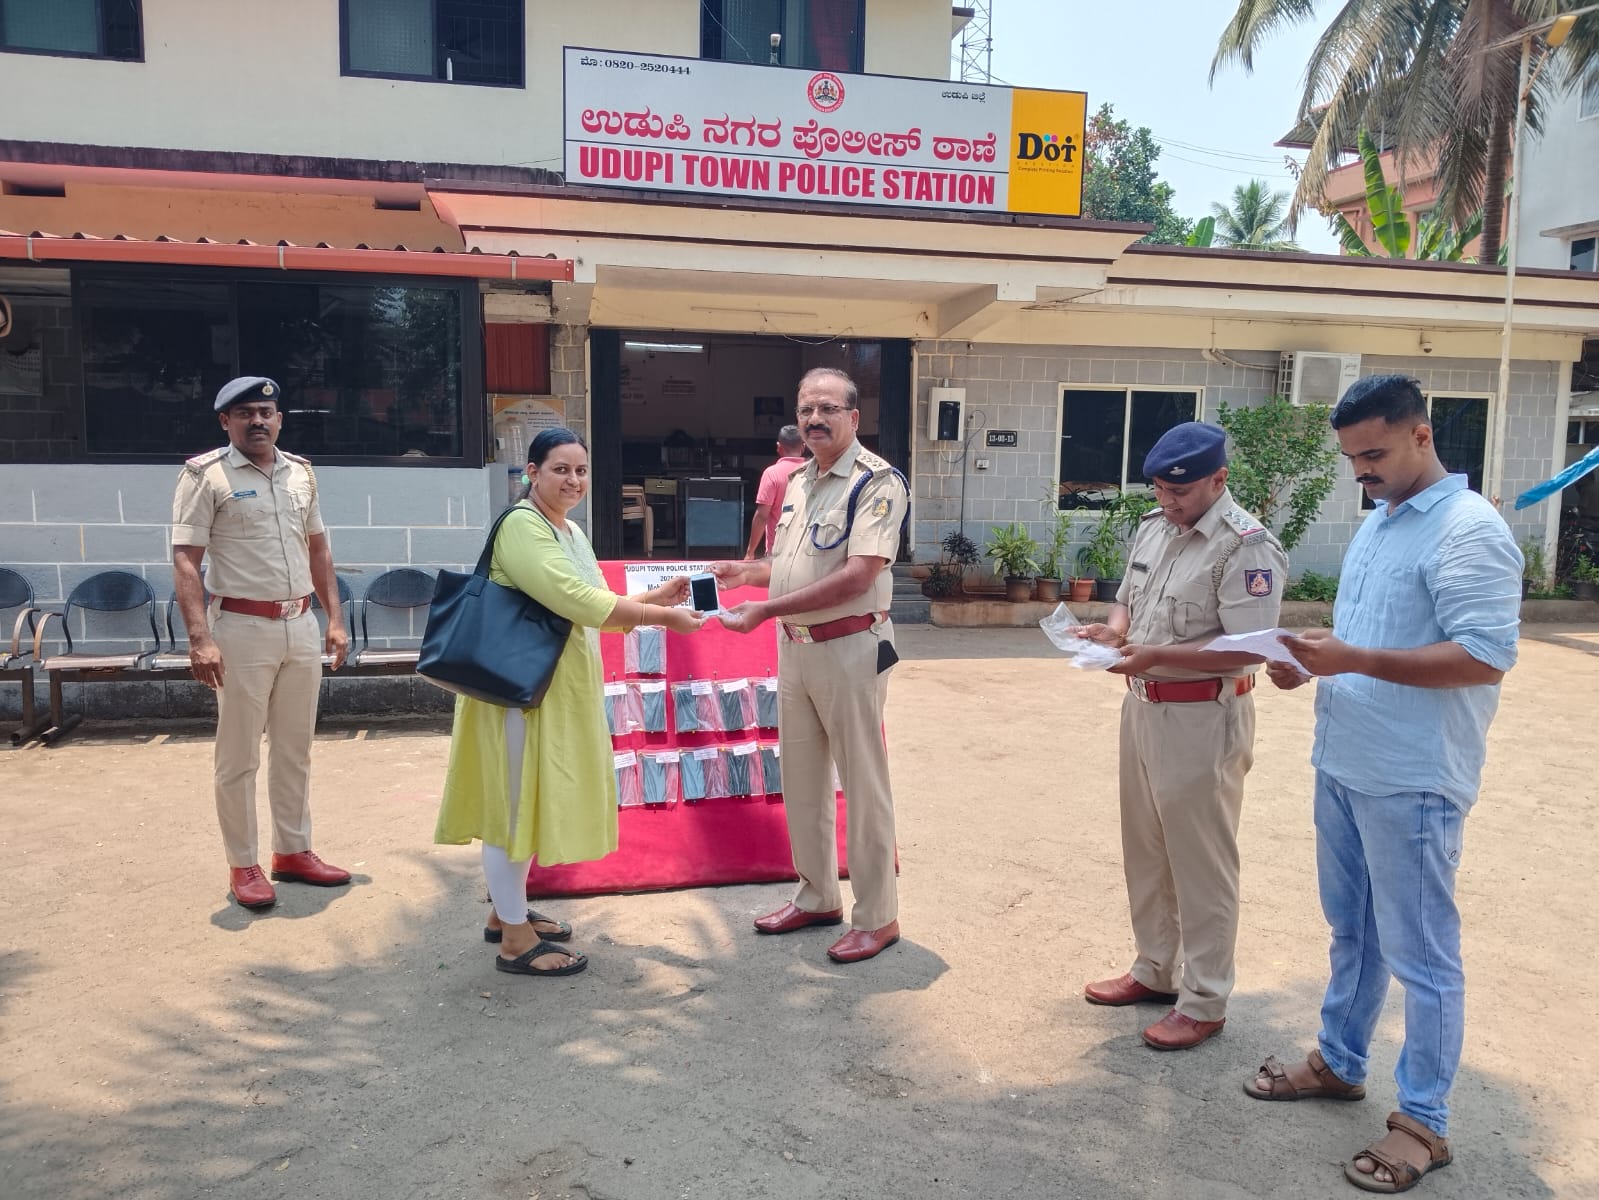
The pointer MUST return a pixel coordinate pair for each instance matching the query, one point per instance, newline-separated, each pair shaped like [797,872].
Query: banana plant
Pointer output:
[1435,239]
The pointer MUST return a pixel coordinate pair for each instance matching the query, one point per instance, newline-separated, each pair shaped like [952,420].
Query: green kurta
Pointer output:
[566,811]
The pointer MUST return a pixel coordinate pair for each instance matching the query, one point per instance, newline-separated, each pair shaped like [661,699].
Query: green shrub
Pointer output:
[1311,586]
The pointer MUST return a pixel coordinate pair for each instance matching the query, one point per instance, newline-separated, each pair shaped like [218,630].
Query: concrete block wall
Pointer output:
[1018,387]
[60,524]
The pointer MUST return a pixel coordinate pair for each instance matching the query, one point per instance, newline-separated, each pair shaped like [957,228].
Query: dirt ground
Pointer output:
[161,1043]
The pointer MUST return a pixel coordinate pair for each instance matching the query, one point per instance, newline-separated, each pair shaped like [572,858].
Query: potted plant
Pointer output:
[1534,571]
[1015,556]
[947,576]
[1103,555]
[1047,585]
[1585,578]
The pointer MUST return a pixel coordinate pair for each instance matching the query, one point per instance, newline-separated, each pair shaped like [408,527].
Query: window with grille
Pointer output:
[819,35]
[73,28]
[450,41]
[1105,435]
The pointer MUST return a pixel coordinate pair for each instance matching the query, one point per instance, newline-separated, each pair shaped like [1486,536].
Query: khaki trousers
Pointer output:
[830,700]
[271,673]
[1182,791]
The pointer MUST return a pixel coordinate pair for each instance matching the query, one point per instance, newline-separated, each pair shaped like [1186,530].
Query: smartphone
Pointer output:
[702,593]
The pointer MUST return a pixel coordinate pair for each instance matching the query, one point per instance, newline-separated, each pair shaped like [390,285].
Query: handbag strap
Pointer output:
[487,556]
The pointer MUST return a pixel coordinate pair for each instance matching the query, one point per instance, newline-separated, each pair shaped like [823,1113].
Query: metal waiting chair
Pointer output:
[106,592]
[16,660]
[404,588]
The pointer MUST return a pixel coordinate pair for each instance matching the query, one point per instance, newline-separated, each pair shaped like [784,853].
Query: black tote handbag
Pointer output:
[493,643]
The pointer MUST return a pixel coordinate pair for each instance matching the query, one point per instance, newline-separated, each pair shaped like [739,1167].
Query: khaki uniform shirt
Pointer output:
[1225,575]
[255,524]
[813,515]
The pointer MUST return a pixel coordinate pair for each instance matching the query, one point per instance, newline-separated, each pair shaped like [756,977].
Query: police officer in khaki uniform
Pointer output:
[1200,567]
[828,582]
[254,507]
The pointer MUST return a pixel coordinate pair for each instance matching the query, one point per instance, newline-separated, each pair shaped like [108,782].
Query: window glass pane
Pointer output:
[1460,431]
[826,35]
[155,352]
[1091,447]
[741,30]
[368,371]
[480,41]
[1153,414]
[1583,256]
[394,37]
[69,25]
[1590,93]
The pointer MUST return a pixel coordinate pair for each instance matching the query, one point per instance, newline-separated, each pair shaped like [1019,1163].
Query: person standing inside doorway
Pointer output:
[774,482]
[254,508]
[1424,629]
[837,532]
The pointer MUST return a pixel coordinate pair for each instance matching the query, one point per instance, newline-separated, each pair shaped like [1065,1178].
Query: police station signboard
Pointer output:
[660,123]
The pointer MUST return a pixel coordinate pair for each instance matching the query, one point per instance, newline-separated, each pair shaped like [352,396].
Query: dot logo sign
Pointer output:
[1047,146]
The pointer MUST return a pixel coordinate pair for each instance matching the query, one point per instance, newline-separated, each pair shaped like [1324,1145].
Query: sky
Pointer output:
[1150,59]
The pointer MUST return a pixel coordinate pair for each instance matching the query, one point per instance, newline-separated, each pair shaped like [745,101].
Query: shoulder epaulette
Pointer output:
[198,464]
[1152,513]
[1256,538]
[296,458]
[1241,523]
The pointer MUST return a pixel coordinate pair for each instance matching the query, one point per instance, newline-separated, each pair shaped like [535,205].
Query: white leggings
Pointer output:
[507,878]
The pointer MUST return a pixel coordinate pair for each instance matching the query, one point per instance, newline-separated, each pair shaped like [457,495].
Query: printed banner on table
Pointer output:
[660,123]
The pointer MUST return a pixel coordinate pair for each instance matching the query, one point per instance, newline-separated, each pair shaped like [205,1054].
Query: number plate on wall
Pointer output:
[1000,437]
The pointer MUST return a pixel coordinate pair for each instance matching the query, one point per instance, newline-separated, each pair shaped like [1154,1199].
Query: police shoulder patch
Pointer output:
[1257,582]
[880,507]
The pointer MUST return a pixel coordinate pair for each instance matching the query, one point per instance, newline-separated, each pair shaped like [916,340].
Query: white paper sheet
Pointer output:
[1263,642]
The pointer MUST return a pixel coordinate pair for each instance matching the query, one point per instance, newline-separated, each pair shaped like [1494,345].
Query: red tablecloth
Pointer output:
[743,840]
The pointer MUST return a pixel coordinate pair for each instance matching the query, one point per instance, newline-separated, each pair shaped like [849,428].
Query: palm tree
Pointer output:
[1433,76]
[1257,220]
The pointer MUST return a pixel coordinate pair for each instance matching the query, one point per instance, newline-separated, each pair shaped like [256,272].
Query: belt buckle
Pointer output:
[1140,687]
[288,609]
[798,633]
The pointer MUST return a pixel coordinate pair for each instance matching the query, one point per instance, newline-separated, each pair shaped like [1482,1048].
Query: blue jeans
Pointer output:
[1386,867]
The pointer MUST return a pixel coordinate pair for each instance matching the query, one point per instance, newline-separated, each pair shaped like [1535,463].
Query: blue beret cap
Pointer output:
[1187,452]
[247,387]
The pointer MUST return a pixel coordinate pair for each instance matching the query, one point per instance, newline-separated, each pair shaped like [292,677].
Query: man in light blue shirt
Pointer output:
[1423,631]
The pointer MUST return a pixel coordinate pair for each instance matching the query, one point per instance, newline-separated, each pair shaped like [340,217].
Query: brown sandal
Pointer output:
[1406,1175]
[1329,1086]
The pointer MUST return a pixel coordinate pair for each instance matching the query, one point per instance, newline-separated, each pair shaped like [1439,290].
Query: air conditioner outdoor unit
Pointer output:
[1315,376]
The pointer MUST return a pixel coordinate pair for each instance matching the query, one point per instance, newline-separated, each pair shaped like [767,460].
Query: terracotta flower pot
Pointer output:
[1046,589]
[1018,588]
[1082,591]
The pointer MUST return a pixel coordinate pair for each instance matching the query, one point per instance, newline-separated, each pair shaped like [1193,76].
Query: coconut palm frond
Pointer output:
[1354,245]
[1254,21]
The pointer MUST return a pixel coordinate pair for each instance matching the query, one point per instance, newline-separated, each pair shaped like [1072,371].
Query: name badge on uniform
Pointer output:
[1138,566]
[244,495]
[788,508]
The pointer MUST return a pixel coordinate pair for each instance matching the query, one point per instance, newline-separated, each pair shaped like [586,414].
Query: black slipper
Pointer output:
[522,964]
[560,935]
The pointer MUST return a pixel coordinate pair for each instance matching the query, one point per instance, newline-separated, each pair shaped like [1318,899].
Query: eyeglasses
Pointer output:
[828,411]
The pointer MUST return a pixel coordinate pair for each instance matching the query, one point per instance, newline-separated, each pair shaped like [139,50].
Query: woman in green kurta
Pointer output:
[539,781]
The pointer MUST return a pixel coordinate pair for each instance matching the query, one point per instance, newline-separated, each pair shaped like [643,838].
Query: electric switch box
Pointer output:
[946,414]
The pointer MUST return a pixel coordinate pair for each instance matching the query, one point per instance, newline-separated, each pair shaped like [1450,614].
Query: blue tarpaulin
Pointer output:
[1565,479]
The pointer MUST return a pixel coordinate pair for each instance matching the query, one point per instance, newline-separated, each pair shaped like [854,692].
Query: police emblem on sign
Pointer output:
[1257,583]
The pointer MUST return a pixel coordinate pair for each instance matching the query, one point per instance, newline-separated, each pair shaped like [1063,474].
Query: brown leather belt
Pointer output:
[828,630]
[1186,691]
[276,610]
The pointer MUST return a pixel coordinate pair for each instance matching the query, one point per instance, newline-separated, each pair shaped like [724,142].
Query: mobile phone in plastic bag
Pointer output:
[1061,628]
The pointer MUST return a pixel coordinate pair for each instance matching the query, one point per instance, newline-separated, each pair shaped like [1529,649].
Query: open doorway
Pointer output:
[697,418]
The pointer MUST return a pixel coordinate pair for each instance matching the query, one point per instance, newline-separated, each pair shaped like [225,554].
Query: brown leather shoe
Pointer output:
[306,867]
[1175,1031]
[1124,989]
[859,944]
[250,888]
[788,918]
